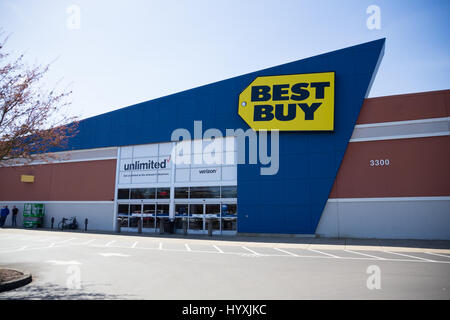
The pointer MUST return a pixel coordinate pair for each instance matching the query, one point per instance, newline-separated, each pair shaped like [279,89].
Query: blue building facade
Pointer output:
[289,202]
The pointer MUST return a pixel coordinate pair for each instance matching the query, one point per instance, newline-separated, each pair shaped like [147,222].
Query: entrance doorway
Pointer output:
[149,214]
[197,218]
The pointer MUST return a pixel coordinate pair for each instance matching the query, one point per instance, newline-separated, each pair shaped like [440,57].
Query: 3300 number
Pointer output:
[379,162]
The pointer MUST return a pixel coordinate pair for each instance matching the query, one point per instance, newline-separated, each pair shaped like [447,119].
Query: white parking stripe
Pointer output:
[64,241]
[327,254]
[437,254]
[14,250]
[254,252]
[134,244]
[217,248]
[82,243]
[187,247]
[365,254]
[110,243]
[407,255]
[289,253]
[88,242]
[160,246]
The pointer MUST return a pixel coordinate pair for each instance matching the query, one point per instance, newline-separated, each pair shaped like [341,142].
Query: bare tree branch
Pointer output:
[32,120]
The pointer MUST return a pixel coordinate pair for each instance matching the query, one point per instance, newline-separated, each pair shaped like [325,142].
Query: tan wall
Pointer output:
[71,181]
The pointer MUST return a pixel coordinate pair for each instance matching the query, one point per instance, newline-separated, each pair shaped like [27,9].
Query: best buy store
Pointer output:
[347,166]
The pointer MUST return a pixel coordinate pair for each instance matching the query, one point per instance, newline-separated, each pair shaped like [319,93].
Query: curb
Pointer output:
[17,283]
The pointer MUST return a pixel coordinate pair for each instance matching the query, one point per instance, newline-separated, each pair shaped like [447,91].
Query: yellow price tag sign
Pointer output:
[298,102]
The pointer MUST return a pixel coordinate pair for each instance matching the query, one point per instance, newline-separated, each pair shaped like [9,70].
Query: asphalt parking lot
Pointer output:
[68,265]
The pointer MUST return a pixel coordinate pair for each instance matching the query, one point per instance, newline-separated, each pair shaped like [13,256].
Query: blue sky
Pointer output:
[127,52]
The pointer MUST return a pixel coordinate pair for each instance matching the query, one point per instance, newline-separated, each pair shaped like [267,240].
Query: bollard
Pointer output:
[52,222]
[210,225]
[161,226]
[140,226]
[85,224]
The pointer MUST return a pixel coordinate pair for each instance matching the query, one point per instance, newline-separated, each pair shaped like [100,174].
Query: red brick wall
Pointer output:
[435,104]
[70,181]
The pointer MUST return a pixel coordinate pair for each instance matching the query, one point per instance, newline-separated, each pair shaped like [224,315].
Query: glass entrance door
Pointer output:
[148,214]
[212,218]
[200,216]
[149,217]
[195,218]
[181,217]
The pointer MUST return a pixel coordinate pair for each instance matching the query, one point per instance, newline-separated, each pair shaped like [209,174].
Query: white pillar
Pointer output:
[172,186]
[115,190]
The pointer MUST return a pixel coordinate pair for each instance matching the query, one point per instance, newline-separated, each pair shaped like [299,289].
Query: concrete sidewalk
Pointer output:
[406,245]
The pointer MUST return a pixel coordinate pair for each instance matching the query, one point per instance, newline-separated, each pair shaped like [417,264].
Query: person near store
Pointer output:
[15,211]
[3,214]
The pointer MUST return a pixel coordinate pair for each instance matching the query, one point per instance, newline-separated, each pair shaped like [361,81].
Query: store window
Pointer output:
[182,193]
[213,209]
[229,217]
[229,191]
[163,193]
[143,193]
[123,211]
[123,220]
[148,220]
[205,192]
[229,210]
[149,209]
[181,209]
[162,209]
[135,215]
[195,209]
[135,209]
[123,194]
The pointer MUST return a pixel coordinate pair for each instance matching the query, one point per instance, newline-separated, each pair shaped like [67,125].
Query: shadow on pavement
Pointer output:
[47,291]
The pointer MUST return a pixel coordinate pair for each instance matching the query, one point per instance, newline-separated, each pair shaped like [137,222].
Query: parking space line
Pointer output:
[217,248]
[327,254]
[289,253]
[409,256]
[160,246]
[134,244]
[82,243]
[62,242]
[187,247]
[365,254]
[110,243]
[254,252]
[440,255]
[88,242]
[14,250]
